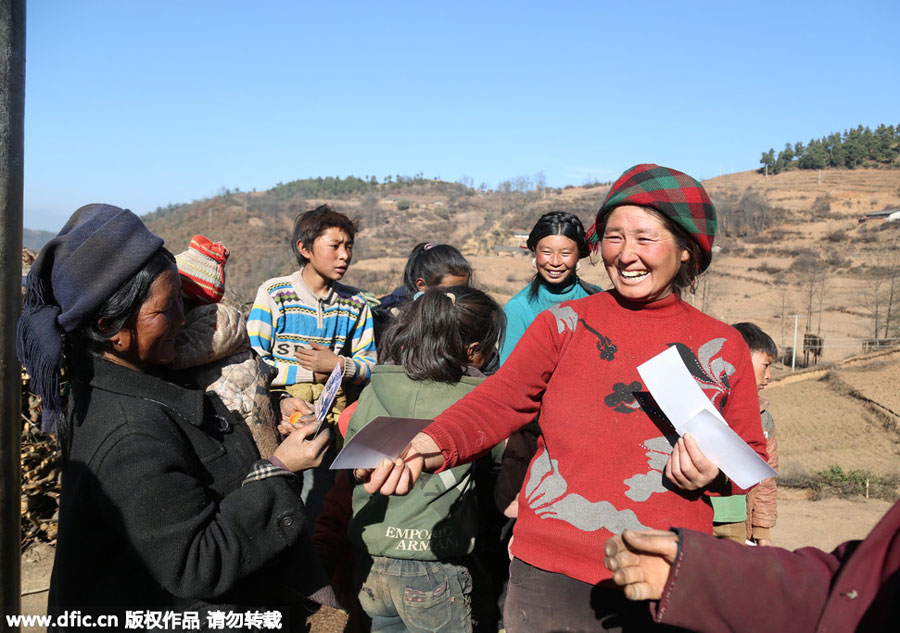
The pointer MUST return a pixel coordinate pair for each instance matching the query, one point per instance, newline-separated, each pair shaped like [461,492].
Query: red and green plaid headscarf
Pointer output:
[671,192]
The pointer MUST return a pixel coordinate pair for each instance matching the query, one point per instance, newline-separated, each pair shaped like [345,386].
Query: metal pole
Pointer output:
[12,130]
[794,351]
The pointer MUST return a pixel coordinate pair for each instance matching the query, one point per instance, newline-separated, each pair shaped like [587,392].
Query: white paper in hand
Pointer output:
[383,437]
[690,411]
[326,398]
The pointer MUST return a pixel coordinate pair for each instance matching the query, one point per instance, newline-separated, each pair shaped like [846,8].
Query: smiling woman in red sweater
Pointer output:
[608,459]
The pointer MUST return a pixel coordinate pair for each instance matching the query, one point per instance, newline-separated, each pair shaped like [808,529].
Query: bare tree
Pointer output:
[787,308]
[522,184]
[875,282]
[811,272]
[706,289]
[821,293]
[894,270]
[369,206]
[540,182]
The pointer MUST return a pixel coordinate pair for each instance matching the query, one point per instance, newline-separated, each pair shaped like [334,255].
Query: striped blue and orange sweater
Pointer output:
[287,315]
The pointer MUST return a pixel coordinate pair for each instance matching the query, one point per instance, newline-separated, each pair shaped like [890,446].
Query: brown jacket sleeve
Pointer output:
[761,501]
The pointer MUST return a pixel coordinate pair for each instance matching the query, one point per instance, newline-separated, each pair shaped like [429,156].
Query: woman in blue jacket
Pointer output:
[557,242]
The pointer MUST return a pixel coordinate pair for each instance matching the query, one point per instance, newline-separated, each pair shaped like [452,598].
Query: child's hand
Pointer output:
[296,421]
[290,406]
[293,408]
[640,561]
[397,477]
[318,359]
[688,468]
[298,454]
[320,377]
[512,510]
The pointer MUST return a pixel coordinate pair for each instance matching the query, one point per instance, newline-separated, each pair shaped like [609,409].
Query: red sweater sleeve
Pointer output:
[504,402]
[344,418]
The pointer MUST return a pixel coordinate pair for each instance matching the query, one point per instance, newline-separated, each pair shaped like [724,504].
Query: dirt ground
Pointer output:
[825,523]
[801,522]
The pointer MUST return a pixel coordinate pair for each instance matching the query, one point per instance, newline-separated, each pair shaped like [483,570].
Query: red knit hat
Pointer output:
[202,270]
[671,192]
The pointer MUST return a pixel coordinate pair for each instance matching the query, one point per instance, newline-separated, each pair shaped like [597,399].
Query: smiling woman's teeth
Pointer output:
[632,274]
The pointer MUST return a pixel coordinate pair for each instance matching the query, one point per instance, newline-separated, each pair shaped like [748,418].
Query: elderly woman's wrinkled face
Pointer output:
[150,340]
[640,254]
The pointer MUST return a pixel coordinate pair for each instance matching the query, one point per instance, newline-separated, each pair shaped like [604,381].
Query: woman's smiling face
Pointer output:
[640,254]
[556,257]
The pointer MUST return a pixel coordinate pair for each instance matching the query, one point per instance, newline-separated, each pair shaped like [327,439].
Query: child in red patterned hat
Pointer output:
[214,346]
[202,270]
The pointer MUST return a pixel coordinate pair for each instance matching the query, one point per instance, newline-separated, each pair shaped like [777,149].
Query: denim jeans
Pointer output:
[417,596]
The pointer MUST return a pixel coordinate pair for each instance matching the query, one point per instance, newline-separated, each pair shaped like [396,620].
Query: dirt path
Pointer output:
[801,522]
[825,523]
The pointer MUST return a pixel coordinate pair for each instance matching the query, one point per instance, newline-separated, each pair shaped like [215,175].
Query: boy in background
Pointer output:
[748,518]
[306,323]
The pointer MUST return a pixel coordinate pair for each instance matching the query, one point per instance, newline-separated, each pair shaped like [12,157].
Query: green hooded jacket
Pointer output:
[438,519]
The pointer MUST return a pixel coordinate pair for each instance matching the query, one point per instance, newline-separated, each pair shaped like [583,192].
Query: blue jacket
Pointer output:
[522,309]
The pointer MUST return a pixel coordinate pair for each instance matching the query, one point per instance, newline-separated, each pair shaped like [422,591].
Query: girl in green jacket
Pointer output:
[415,574]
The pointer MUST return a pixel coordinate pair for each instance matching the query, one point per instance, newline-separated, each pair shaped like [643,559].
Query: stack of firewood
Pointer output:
[41,464]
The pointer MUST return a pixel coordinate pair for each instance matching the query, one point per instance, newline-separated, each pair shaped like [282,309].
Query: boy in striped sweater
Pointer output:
[306,323]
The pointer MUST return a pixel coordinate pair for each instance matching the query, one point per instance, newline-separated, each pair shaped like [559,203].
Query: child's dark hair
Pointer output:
[558,223]
[311,224]
[431,336]
[431,262]
[756,339]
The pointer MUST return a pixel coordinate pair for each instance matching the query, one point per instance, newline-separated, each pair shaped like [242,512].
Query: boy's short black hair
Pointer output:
[756,339]
[311,224]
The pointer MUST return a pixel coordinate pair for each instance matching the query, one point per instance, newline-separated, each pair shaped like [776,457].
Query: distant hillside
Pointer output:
[34,240]
[393,217]
[781,217]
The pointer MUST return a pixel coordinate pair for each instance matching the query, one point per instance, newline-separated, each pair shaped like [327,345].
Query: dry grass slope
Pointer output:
[846,416]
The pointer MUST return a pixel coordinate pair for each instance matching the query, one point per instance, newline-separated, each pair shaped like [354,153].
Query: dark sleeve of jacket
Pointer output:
[330,535]
[716,585]
[181,496]
[520,448]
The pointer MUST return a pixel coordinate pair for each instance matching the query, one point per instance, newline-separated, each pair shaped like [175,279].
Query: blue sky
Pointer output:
[142,104]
